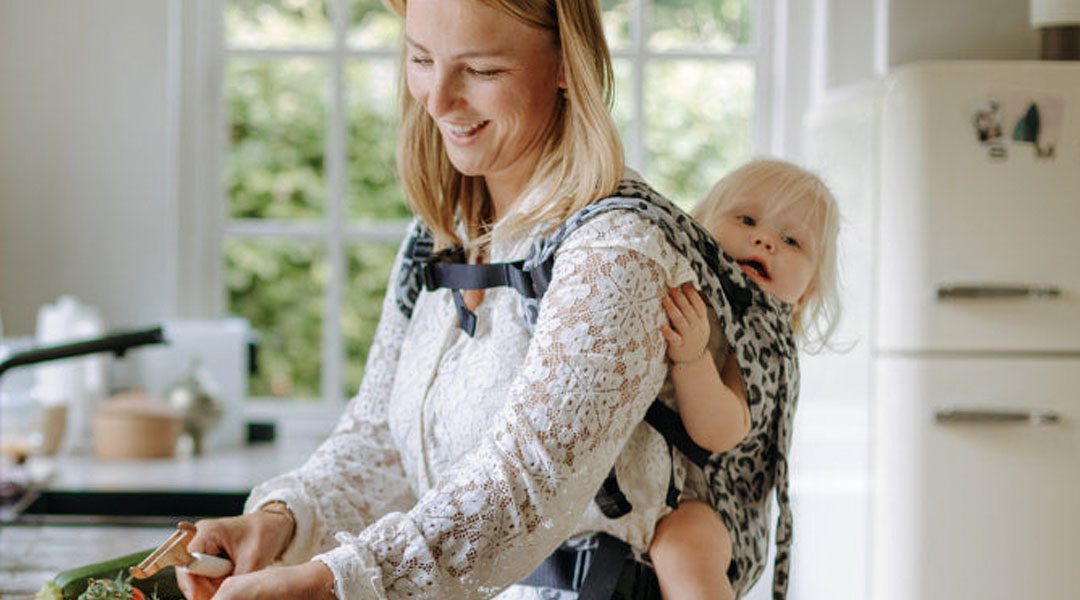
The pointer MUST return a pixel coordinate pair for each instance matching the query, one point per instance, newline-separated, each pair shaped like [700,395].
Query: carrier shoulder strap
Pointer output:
[721,282]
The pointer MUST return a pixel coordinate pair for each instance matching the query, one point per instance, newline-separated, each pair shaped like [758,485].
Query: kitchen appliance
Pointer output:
[117,343]
[221,347]
[968,174]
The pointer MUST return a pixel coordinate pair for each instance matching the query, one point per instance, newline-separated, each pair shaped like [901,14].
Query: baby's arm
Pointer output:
[713,409]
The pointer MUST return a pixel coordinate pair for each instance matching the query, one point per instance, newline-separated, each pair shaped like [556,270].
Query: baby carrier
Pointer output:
[758,331]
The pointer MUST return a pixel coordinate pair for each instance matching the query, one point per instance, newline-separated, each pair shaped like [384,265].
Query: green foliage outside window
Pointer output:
[697,126]
[278,286]
[275,164]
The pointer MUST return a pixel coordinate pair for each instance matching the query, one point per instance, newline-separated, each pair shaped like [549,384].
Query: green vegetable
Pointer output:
[50,591]
[69,584]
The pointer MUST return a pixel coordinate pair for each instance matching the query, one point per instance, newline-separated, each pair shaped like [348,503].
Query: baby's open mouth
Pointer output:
[755,267]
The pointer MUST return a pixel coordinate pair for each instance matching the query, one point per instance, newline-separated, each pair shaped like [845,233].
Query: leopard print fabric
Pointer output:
[758,330]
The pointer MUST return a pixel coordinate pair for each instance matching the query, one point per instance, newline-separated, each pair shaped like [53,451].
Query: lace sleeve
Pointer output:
[355,476]
[594,365]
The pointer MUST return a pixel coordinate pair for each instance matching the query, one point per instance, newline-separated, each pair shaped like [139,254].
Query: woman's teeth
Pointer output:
[465,130]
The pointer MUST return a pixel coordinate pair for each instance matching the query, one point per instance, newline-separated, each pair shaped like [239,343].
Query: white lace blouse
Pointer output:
[463,462]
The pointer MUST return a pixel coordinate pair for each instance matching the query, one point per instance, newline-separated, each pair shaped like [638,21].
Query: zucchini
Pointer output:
[73,582]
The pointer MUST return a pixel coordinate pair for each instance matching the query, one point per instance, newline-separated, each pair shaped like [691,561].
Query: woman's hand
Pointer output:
[688,333]
[251,541]
[312,580]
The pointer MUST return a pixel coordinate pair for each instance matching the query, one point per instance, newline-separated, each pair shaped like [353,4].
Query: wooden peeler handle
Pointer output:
[174,553]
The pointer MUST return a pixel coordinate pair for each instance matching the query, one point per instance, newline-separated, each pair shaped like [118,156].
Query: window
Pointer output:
[313,209]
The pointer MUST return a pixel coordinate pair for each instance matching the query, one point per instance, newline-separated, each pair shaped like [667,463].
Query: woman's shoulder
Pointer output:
[630,220]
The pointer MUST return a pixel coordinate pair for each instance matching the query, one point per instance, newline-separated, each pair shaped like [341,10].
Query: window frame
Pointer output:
[200,58]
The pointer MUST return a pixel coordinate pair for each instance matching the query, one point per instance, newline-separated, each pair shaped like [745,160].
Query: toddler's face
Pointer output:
[778,249]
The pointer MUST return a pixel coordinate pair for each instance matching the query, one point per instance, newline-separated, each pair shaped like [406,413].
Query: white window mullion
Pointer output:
[638,36]
[768,88]
[332,344]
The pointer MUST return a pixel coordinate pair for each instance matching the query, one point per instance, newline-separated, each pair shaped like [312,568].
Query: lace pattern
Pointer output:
[503,441]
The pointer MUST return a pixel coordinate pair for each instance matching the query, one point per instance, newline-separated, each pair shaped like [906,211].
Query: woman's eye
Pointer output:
[484,72]
[423,61]
[745,220]
[790,241]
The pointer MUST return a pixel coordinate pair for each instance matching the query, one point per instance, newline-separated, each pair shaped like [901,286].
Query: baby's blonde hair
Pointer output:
[816,317]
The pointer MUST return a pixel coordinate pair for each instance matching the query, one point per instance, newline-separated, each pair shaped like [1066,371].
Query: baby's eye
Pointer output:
[745,220]
[790,241]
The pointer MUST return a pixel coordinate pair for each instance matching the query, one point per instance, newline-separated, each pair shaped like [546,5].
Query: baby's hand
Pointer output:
[688,333]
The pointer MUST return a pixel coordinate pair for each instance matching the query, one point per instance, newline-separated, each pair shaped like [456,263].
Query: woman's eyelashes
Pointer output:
[426,62]
[484,73]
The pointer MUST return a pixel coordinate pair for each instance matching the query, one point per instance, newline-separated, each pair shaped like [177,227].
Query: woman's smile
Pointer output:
[462,134]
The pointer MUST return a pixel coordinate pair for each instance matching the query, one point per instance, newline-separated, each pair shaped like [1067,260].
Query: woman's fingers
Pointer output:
[195,587]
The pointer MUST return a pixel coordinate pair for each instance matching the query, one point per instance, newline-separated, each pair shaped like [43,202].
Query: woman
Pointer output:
[465,460]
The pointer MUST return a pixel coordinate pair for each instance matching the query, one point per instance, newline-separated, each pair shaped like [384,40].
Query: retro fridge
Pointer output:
[963,179]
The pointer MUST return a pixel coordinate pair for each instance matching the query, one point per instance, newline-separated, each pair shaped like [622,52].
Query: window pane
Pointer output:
[701,24]
[698,118]
[369,269]
[373,188]
[623,111]
[274,167]
[373,25]
[277,23]
[279,287]
[616,16]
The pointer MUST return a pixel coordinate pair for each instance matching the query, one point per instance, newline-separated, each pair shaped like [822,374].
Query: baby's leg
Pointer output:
[691,551]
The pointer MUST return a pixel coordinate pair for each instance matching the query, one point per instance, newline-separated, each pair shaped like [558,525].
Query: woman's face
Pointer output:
[489,81]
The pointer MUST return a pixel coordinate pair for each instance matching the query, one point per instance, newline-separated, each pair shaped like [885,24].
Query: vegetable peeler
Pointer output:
[174,552]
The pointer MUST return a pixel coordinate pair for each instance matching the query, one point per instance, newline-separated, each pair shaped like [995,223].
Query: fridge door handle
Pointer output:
[981,416]
[968,291]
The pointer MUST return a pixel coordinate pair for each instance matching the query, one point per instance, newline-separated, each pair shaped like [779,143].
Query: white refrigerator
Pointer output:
[962,180]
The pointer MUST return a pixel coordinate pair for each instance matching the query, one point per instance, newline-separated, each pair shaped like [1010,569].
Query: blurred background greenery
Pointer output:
[311,90]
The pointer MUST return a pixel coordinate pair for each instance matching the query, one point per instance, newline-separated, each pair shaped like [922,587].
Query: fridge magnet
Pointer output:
[1032,122]
[986,119]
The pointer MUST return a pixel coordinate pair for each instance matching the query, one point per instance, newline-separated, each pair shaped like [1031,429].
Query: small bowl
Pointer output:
[135,425]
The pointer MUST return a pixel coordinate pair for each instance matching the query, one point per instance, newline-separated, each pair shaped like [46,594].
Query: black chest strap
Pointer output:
[463,276]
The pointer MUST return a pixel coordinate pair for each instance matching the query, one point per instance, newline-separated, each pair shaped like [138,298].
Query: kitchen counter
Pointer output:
[81,488]
[219,470]
[30,555]
[38,545]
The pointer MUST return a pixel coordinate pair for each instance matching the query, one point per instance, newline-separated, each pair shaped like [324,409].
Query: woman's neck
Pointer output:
[503,195]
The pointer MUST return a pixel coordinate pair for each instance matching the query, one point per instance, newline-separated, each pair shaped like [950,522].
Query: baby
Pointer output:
[779,222]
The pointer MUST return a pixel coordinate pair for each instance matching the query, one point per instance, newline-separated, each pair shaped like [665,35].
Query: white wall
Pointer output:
[89,174]
[960,29]
[84,204]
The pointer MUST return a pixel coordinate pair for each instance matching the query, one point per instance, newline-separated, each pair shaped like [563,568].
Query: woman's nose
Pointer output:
[444,94]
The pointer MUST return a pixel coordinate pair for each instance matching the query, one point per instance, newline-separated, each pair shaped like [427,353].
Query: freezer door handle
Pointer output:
[977,416]
[955,291]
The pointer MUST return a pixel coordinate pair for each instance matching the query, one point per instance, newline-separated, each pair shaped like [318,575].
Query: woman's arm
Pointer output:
[595,364]
[355,476]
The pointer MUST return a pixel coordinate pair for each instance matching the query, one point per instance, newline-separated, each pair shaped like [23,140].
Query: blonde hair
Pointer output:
[581,161]
[816,317]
